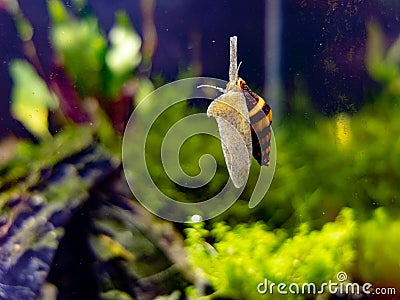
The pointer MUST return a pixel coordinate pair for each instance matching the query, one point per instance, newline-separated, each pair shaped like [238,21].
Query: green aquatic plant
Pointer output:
[109,60]
[31,98]
[383,63]
[378,261]
[239,262]
[240,258]
[93,77]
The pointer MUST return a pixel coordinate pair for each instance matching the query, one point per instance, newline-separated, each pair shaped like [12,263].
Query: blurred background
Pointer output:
[317,46]
[73,71]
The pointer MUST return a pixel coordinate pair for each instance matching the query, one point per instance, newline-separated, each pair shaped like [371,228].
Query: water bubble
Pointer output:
[196,218]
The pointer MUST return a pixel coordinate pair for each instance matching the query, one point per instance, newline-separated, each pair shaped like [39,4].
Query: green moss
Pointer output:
[243,256]
[379,245]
